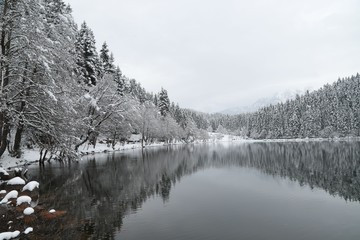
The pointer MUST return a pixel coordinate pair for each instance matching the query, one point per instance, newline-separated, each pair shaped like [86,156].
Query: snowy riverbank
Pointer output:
[31,156]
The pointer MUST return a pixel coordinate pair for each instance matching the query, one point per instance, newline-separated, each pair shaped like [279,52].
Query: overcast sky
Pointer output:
[211,55]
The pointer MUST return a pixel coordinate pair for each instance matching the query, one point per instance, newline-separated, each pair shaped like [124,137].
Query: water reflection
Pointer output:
[99,194]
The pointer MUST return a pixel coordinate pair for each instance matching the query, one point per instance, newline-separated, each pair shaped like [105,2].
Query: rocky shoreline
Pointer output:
[22,211]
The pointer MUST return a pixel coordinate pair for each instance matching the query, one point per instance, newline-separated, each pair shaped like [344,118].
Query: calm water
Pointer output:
[235,191]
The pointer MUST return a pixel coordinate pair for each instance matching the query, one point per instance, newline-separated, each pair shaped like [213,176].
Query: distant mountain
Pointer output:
[263,102]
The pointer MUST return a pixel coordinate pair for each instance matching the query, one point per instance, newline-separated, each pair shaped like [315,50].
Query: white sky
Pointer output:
[212,55]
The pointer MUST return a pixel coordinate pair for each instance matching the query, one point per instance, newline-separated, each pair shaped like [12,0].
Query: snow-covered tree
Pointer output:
[97,106]
[120,81]
[87,56]
[38,67]
[163,102]
[107,60]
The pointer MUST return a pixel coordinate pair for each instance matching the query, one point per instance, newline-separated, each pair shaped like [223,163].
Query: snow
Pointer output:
[23,199]
[9,235]
[28,156]
[10,195]
[31,186]
[103,147]
[219,137]
[32,155]
[28,230]
[28,211]
[93,102]
[4,172]
[135,138]
[2,191]
[52,211]
[16,181]
[87,96]
[52,96]
[46,65]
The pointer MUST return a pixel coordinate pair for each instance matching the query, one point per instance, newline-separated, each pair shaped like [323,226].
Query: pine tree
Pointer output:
[164,102]
[87,57]
[156,100]
[120,81]
[107,60]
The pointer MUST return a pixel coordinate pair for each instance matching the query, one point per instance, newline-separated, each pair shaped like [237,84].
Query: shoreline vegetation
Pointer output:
[31,156]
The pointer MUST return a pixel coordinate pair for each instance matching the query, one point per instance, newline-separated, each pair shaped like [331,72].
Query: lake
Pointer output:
[265,190]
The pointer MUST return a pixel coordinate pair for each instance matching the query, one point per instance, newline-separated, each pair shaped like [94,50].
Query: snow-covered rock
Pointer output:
[2,191]
[10,195]
[52,211]
[31,186]
[28,230]
[16,181]
[28,211]
[23,199]
[4,172]
[9,235]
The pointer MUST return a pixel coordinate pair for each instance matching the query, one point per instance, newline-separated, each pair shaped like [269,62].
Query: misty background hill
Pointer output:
[264,102]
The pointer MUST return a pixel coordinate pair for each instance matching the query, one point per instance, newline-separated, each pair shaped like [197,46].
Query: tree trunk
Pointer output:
[20,128]
[114,140]
[5,130]
[17,140]
[4,72]
[142,140]
[81,143]
[44,157]
[5,43]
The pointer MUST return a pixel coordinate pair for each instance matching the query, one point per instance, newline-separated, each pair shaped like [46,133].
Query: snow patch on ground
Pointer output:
[16,181]
[28,156]
[219,137]
[103,147]
[2,191]
[33,155]
[52,211]
[31,186]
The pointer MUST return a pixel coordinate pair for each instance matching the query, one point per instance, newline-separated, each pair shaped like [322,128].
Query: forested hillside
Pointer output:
[332,111]
[58,92]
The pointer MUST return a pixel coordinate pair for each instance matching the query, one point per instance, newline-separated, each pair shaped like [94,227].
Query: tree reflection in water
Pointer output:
[99,194]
